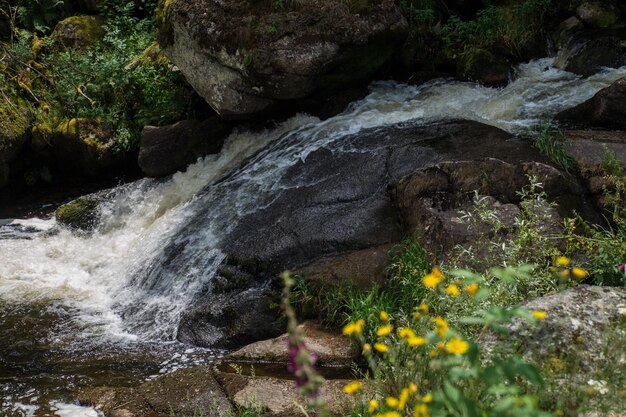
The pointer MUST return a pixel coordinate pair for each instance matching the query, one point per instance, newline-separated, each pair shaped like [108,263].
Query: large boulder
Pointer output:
[165,150]
[606,109]
[245,57]
[77,32]
[338,203]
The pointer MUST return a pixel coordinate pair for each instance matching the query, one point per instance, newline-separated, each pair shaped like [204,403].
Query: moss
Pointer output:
[165,32]
[15,120]
[78,31]
[81,214]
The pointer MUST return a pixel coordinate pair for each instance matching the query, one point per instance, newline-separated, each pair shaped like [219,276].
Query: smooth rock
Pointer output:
[279,397]
[331,348]
[590,148]
[588,51]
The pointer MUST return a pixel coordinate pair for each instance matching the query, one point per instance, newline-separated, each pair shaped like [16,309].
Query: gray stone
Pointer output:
[244,58]
[588,51]
[606,109]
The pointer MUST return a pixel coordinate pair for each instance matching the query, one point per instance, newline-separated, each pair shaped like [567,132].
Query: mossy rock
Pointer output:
[597,14]
[484,67]
[78,32]
[84,144]
[80,214]
[15,122]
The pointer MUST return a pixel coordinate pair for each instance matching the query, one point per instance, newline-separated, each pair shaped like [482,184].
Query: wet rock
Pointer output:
[577,322]
[77,32]
[331,348]
[233,319]
[279,397]
[246,57]
[341,204]
[598,14]
[606,109]
[168,149]
[588,51]
[81,214]
[189,391]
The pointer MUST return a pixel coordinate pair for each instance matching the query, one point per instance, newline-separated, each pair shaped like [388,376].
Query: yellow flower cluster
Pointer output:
[398,404]
[576,272]
[352,387]
[441,326]
[354,327]
[433,279]
[457,346]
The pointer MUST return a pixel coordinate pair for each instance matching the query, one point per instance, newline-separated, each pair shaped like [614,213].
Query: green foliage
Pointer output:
[498,27]
[603,246]
[550,143]
[421,366]
[100,82]
[40,15]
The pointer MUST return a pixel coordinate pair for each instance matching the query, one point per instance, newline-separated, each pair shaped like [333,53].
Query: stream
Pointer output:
[82,310]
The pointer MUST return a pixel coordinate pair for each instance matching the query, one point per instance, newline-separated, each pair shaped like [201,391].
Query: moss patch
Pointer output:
[78,32]
[15,120]
[81,214]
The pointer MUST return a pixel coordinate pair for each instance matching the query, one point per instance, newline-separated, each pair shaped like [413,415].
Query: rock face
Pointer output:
[81,213]
[606,109]
[578,320]
[340,203]
[165,150]
[245,57]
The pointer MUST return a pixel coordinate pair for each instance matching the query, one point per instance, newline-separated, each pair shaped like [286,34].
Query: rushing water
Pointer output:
[102,309]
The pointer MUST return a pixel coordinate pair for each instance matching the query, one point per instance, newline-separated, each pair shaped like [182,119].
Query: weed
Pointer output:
[550,142]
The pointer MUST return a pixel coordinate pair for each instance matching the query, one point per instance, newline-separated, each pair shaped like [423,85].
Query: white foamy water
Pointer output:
[101,276]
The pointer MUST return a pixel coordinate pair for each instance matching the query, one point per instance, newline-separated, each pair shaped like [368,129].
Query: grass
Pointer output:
[550,142]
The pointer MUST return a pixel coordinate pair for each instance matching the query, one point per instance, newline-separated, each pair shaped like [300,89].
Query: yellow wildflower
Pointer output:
[367,348]
[427,398]
[384,330]
[384,316]
[421,410]
[405,332]
[381,347]
[412,388]
[424,308]
[579,273]
[352,387]
[441,326]
[452,290]
[392,402]
[373,406]
[539,315]
[471,289]
[416,341]
[433,353]
[404,397]
[392,414]
[433,279]
[354,327]
[457,346]
[416,315]
[562,261]
[565,273]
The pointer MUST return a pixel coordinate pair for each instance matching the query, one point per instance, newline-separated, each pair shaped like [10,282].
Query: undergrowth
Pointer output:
[102,81]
